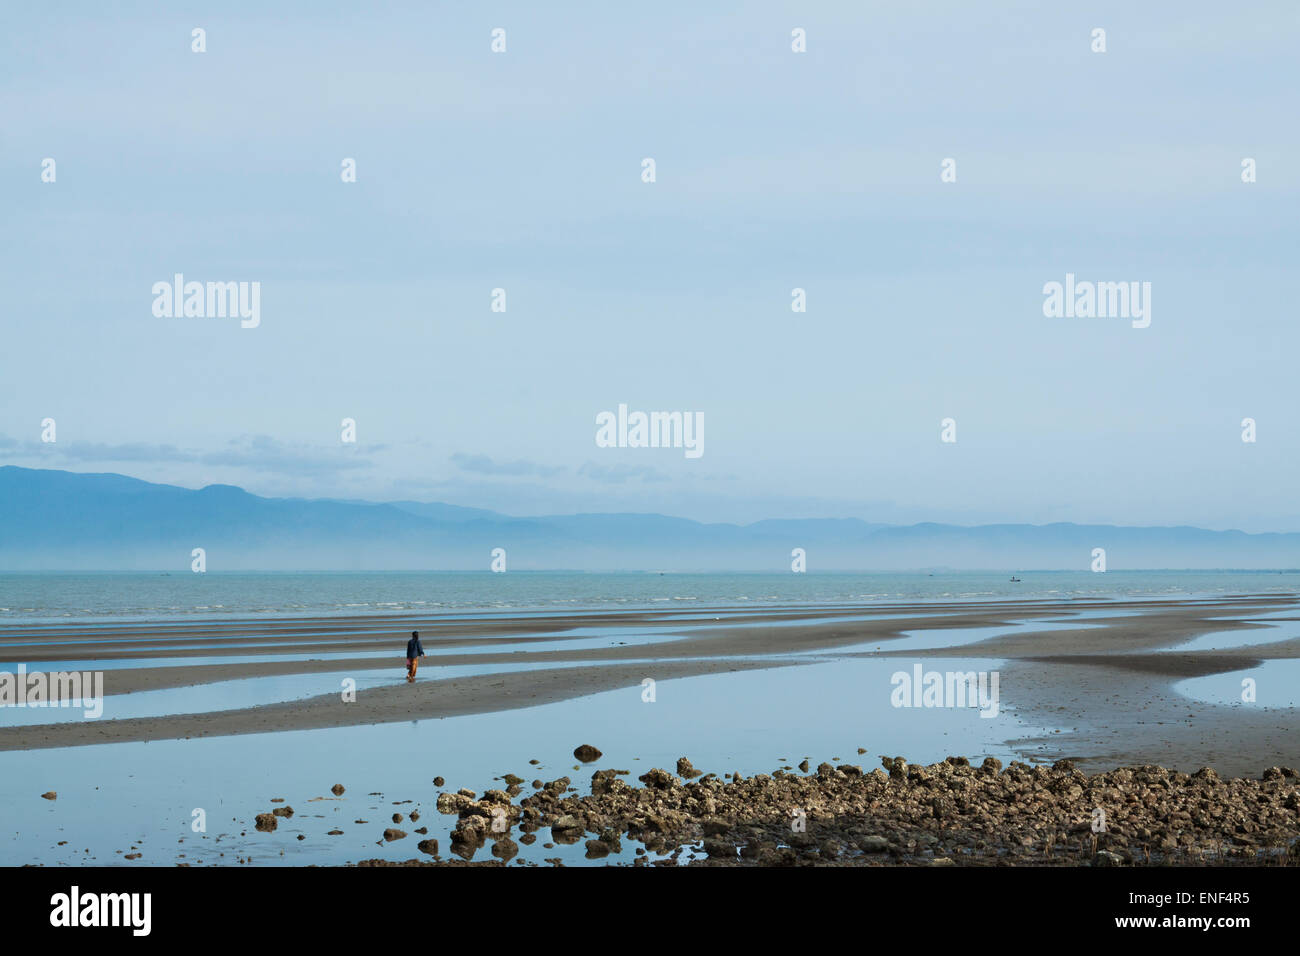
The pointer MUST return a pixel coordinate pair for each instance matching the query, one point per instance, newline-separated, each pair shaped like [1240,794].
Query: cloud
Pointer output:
[255,452]
[483,465]
[263,453]
[619,474]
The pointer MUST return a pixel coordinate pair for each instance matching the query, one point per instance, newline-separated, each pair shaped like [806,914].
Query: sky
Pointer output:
[774,170]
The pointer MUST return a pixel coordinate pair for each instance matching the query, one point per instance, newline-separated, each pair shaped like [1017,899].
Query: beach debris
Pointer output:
[587,753]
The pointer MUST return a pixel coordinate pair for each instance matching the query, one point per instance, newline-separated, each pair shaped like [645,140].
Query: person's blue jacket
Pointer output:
[414,649]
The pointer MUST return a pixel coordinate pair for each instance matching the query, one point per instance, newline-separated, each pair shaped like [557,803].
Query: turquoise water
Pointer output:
[67,597]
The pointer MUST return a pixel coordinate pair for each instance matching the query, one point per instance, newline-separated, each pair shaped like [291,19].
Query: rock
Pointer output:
[719,849]
[266,822]
[511,780]
[896,766]
[49,795]
[659,779]
[392,833]
[566,822]
[452,802]
[686,770]
[438,781]
[714,826]
[1107,858]
[596,849]
[415,816]
[397,818]
[803,766]
[337,789]
[285,812]
[335,833]
[587,753]
[606,781]
[873,844]
[991,766]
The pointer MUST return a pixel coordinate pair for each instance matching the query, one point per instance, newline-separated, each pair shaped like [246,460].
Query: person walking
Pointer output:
[414,651]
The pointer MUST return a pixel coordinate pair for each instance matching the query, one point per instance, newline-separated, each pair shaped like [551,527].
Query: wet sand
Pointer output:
[1109,686]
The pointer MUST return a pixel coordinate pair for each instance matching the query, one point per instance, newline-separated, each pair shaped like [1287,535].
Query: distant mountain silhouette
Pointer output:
[59,520]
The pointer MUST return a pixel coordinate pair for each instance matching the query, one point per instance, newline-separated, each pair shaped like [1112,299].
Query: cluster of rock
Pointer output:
[267,822]
[942,814]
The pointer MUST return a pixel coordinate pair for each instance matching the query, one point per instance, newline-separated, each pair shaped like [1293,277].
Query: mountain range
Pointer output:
[60,520]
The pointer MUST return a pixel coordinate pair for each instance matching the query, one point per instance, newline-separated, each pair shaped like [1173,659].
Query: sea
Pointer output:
[73,597]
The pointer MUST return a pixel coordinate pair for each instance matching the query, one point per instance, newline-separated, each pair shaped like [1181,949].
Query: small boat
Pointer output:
[1015,580]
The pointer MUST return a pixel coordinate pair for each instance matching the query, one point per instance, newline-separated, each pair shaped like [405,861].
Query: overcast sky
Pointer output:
[522,170]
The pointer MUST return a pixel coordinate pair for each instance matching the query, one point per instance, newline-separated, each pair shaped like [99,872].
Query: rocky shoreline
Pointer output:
[944,814]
